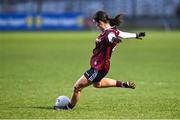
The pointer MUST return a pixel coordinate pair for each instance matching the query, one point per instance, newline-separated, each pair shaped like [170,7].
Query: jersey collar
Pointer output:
[107,28]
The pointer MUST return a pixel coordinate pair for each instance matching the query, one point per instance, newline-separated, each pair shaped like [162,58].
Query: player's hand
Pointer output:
[140,35]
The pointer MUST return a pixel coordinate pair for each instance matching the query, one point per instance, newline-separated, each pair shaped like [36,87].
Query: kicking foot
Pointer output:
[129,84]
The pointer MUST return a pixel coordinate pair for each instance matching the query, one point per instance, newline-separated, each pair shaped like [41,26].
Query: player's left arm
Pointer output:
[125,35]
[112,38]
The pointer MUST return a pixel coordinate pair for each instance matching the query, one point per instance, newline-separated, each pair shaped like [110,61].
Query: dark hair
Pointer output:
[102,16]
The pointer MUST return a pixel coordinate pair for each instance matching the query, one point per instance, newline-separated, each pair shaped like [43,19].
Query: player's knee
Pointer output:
[97,85]
[77,88]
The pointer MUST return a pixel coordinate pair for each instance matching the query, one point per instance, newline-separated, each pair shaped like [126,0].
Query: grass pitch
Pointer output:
[37,67]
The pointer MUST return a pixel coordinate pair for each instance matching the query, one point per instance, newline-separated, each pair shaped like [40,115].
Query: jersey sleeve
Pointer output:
[127,34]
[110,37]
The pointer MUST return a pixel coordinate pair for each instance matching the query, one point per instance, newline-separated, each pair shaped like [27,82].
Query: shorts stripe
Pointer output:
[93,76]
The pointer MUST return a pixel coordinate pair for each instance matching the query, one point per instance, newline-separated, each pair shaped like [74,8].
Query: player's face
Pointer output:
[96,23]
[99,24]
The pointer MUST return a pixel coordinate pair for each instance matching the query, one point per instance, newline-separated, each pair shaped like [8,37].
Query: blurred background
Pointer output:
[52,47]
[76,15]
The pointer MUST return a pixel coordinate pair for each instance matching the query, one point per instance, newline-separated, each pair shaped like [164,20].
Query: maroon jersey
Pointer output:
[100,59]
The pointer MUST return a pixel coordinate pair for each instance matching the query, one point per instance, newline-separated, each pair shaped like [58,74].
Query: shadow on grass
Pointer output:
[34,107]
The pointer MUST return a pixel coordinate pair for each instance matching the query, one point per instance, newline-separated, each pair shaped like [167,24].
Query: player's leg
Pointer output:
[78,86]
[107,82]
[83,82]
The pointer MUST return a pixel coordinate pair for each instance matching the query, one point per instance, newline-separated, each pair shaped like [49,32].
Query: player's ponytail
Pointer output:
[102,16]
[116,21]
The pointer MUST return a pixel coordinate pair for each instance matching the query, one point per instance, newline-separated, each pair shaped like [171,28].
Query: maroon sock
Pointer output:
[70,106]
[119,83]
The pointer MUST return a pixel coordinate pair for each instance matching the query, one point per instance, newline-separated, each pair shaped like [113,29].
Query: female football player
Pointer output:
[109,37]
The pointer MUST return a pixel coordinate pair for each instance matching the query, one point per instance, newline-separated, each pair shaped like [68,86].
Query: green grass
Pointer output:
[37,67]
